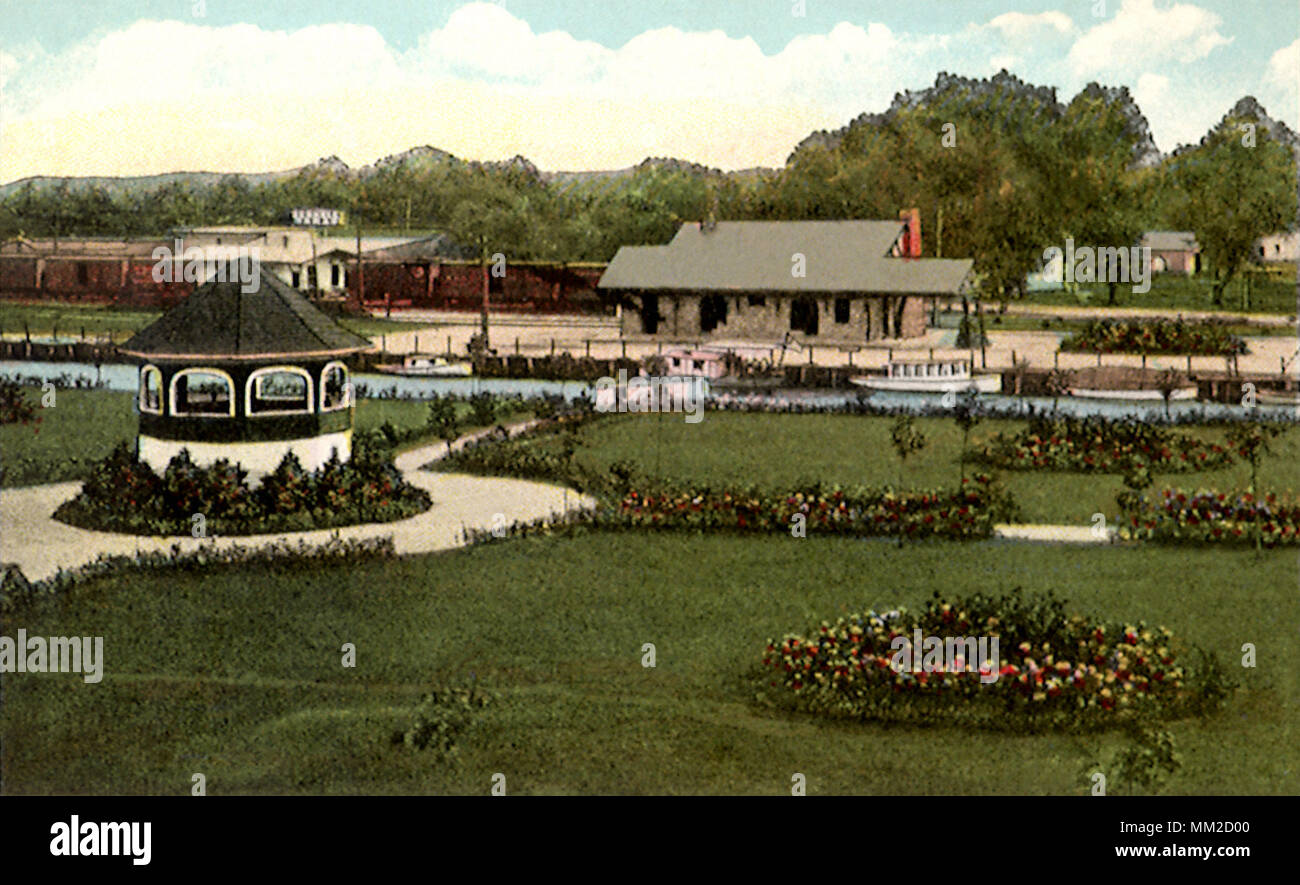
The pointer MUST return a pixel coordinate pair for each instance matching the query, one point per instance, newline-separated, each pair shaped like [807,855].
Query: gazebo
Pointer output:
[245,376]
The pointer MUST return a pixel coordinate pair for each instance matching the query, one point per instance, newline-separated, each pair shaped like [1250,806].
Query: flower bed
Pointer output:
[1154,337]
[1208,517]
[1051,669]
[1101,445]
[126,495]
[969,512]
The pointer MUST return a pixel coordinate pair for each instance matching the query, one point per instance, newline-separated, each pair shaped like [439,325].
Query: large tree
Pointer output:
[1236,186]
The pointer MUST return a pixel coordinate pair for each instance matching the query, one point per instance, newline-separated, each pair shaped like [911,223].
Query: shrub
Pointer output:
[484,408]
[125,495]
[442,718]
[16,593]
[1100,445]
[14,407]
[1162,336]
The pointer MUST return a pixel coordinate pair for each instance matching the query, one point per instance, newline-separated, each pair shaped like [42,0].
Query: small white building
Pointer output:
[1282,246]
[303,258]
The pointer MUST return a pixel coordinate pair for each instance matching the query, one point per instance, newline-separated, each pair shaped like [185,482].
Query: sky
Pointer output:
[149,86]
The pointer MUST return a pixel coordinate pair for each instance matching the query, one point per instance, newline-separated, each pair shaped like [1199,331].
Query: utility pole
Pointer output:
[486,288]
[361,274]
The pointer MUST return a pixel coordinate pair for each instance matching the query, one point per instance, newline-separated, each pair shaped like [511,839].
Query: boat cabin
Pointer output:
[942,368]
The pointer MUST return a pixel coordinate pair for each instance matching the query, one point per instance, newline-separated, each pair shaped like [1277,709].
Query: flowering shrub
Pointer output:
[1101,445]
[17,594]
[1154,336]
[126,495]
[14,407]
[1052,669]
[968,512]
[1209,517]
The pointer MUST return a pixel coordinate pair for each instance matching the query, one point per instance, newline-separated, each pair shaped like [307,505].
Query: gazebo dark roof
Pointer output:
[221,321]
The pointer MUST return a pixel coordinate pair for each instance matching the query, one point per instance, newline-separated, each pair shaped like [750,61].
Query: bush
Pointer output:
[125,495]
[1163,336]
[14,407]
[16,593]
[442,718]
[1100,445]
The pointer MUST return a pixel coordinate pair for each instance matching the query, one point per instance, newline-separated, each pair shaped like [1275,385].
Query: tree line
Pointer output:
[1000,172]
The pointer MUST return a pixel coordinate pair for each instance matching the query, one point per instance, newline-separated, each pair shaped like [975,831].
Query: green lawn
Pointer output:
[739,448]
[235,672]
[97,320]
[85,425]
[1266,293]
[725,447]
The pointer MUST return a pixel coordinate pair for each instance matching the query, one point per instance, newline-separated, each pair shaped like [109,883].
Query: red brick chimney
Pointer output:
[911,232]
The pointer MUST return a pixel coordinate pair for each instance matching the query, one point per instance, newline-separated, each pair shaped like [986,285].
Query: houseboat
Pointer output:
[937,375]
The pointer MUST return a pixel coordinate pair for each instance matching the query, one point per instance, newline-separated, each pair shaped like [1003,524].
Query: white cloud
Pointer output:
[1282,81]
[1026,26]
[1142,35]
[164,95]
[1151,89]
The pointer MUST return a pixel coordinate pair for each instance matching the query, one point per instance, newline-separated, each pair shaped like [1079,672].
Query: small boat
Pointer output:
[1146,394]
[429,366]
[1279,397]
[940,375]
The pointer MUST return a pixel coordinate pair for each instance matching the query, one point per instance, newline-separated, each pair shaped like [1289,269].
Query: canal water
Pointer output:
[117,376]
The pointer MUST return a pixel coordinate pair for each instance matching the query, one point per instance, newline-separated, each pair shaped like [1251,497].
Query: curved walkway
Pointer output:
[40,545]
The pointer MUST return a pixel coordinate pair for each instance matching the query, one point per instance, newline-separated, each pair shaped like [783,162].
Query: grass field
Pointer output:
[1273,292]
[85,425]
[236,672]
[98,320]
[726,447]
[738,448]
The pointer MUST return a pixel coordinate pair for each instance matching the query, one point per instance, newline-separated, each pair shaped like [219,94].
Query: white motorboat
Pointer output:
[939,375]
[1279,397]
[1145,394]
[429,366]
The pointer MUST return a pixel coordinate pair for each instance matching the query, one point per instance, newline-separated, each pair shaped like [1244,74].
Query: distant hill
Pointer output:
[134,183]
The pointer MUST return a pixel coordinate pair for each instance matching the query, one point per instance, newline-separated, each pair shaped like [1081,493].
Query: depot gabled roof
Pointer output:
[221,321]
[747,256]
